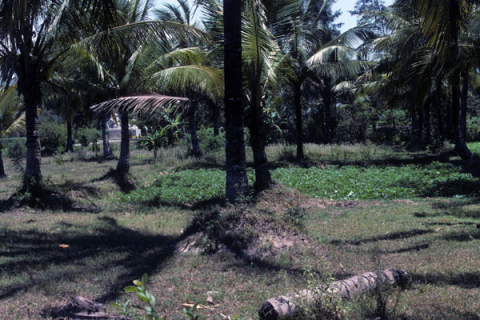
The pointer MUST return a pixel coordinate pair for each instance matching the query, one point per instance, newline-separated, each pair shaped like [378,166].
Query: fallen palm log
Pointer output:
[284,306]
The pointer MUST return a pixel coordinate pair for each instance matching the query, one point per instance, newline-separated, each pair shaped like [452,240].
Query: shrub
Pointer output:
[85,136]
[473,129]
[17,151]
[52,136]
[209,142]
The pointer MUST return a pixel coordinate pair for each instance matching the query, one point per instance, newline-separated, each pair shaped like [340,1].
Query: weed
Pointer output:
[16,152]
[318,302]
[296,216]
[147,307]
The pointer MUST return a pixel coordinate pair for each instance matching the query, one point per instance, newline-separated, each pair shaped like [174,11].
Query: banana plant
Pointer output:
[12,119]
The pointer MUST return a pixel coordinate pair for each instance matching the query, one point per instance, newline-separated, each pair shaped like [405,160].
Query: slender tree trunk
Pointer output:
[107,150]
[460,144]
[420,124]
[257,141]
[414,126]
[438,112]
[297,97]
[327,116]
[69,136]
[236,167]
[2,168]
[427,123]
[33,180]
[192,125]
[453,117]
[216,119]
[184,135]
[123,165]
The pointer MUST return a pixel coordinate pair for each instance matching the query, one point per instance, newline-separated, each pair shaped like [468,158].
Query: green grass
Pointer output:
[424,224]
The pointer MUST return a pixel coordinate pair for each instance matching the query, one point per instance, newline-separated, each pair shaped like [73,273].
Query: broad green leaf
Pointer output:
[130,289]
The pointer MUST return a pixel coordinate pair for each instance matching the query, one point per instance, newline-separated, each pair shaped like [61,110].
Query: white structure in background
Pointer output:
[115,131]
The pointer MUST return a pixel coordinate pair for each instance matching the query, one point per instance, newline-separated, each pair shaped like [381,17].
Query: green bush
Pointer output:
[85,136]
[52,136]
[17,151]
[209,142]
[473,129]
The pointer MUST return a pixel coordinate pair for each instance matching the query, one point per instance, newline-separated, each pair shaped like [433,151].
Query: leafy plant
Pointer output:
[130,309]
[146,309]
[389,182]
[190,312]
[16,151]
[154,141]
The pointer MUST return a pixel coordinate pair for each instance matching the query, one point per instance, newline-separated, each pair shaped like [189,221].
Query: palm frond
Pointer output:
[8,100]
[203,79]
[17,126]
[141,104]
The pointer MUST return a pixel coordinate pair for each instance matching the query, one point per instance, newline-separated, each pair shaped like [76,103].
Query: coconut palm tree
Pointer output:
[263,62]
[301,27]
[425,46]
[190,62]
[334,63]
[33,35]
[127,62]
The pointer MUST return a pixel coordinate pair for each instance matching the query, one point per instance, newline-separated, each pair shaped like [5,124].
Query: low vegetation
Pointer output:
[324,220]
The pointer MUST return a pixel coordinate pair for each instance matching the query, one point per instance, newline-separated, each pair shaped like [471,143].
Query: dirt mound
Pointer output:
[269,227]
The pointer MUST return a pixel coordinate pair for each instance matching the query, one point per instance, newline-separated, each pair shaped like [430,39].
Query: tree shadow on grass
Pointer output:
[127,253]
[194,206]
[121,180]
[414,248]
[388,236]
[48,200]
[450,314]
[463,236]
[466,280]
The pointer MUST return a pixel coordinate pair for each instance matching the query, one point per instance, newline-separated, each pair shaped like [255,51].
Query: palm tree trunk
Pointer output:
[460,145]
[420,124]
[438,111]
[297,97]
[192,125]
[414,126]
[32,180]
[2,168]
[69,136]
[327,116]
[454,110]
[426,118]
[216,119]
[107,150]
[263,178]
[123,165]
[236,167]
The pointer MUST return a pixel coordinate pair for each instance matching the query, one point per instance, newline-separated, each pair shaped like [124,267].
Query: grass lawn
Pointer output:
[347,211]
